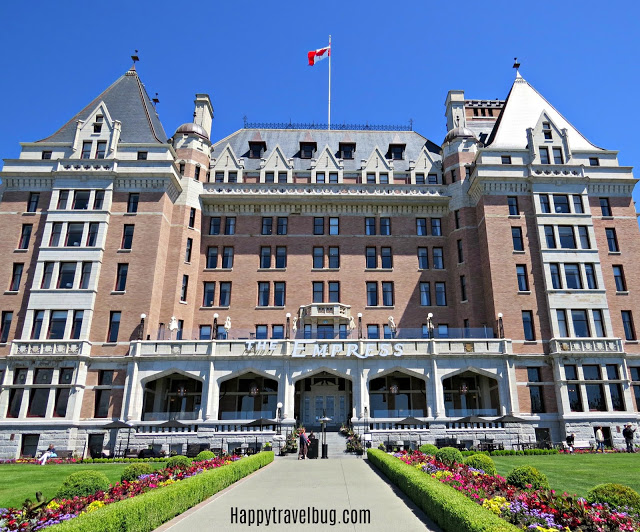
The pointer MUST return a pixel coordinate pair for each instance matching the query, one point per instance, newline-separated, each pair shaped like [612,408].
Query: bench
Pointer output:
[578,444]
[62,453]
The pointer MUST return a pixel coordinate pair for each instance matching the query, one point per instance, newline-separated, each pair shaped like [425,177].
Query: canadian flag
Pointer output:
[317,55]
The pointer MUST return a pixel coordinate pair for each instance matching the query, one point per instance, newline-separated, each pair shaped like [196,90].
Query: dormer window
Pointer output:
[307,149]
[546,130]
[396,151]
[347,150]
[142,156]
[86,150]
[97,125]
[101,150]
[256,149]
[46,154]
[557,156]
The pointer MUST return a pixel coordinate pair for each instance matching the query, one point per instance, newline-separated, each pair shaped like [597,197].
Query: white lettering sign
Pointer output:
[302,349]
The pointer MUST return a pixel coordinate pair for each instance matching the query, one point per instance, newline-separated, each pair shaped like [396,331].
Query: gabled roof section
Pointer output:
[227,159]
[521,111]
[128,102]
[326,160]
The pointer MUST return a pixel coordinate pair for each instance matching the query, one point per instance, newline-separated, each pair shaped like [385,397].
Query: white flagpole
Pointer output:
[329,114]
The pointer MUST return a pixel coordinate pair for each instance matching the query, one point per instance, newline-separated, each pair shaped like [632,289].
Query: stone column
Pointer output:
[437,393]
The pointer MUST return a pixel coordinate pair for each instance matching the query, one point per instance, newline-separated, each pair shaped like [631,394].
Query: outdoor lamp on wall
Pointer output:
[464,389]
[215,326]
[141,330]
[393,387]
[430,325]
[359,325]
[182,391]
[253,389]
[500,326]
[288,316]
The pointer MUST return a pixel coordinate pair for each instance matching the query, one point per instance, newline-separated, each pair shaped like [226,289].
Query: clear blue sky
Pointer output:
[392,61]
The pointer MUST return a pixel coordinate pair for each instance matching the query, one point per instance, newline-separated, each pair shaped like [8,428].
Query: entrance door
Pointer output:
[321,400]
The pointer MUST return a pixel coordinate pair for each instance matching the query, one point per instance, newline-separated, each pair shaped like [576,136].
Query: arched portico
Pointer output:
[248,395]
[397,393]
[323,392]
[171,395]
[471,391]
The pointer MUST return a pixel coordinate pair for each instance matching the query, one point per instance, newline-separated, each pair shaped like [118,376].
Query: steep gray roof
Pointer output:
[127,101]
[289,141]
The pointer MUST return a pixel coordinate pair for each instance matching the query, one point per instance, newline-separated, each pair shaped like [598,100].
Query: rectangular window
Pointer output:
[318,226]
[371,258]
[318,257]
[225,294]
[578,208]
[566,236]
[618,277]
[282,225]
[192,218]
[545,206]
[5,326]
[583,235]
[384,178]
[267,226]
[101,149]
[320,177]
[537,399]
[230,225]
[433,179]
[598,323]
[386,258]
[63,198]
[420,179]
[385,226]
[546,130]
[425,294]
[516,237]
[32,205]
[180,330]
[66,275]
[219,177]
[265,257]
[233,178]
[460,252]
[373,332]
[441,294]
[561,203]
[92,234]
[208,294]
[36,328]
[46,155]
[580,323]
[188,249]
[527,325]
[127,236]
[204,332]
[47,274]
[438,259]
[181,168]
[86,150]
[277,332]
[279,294]
[612,240]
[318,291]
[184,288]
[132,203]
[557,156]
[347,150]
[421,226]
[544,155]
[369,226]
[57,324]
[423,258]
[214,225]
[121,277]
[76,326]
[16,276]
[563,330]
[533,375]
[371,179]
[594,161]
[387,294]
[463,288]
[85,276]
[25,236]
[74,234]
[372,294]
[572,276]
[263,294]
[436,227]
[227,257]
[98,200]
[334,292]
[196,174]
[212,257]
[56,231]
[605,207]
[590,274]
[80,200]
[334,226]
[142,156]
[523,280]
[456,218]
[443,330]
[334,258]
[282,177]
[627,323]
[506,159]
[454,176]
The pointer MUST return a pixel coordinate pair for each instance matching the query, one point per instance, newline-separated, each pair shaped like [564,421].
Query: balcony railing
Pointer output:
[585,345]
[463,412]
[166,416]
[50,347]
[326,310]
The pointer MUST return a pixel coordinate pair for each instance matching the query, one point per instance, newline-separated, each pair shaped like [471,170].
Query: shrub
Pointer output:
[205,455]
[481,461]
[133,471]
[449,455]
[382,447]
[428,449]
[178,461]
[82,483]
[527,477]
[614,495]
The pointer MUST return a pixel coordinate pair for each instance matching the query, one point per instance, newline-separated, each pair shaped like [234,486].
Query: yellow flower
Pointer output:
[496,504]
[93,506]
[53,505]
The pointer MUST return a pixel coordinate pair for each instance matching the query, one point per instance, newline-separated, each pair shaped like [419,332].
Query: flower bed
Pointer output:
[534,509]
[58,510]
[53,461]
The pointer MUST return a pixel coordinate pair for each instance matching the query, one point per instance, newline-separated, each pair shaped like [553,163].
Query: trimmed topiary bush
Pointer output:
[449,455]
[614,495]
[133,471]
[178,461]
[481,461]
[428,449]
[527,477]
[82,483]
[205,455]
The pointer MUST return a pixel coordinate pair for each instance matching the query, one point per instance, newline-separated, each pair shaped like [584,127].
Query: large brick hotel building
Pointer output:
[283,272]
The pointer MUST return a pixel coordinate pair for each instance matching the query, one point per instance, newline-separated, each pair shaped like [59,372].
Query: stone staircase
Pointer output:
[337,445]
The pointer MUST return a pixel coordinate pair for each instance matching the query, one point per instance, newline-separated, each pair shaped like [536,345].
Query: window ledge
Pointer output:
[515,216]
[524,292]
[129,213]
[269,308]
[183,302]
[108,344]
[614,252]
[124,251]
[380,307]
[11,292]
[272,269]
[631,341]
[21,250]
[607,217]
[29,213]
[530,342]
[187,262]
[118,292]
[618,293]
[518,252]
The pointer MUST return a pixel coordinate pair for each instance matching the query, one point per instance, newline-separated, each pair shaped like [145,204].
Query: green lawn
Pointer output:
[577,473]
[21,481]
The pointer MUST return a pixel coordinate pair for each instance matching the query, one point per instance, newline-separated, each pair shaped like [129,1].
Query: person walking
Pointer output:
[599,439]
[49,453]
[304,445]
[628,432]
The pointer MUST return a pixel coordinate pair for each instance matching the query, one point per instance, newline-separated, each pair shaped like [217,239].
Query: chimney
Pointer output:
[203,115]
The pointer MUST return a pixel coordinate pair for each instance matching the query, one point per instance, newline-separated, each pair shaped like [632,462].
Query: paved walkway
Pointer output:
[321,488]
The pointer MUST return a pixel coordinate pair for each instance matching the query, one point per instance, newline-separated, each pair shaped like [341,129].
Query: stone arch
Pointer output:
[172,394]
[471,391]
[397,392]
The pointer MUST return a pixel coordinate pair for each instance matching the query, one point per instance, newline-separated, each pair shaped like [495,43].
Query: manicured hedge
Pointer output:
[511,452]
[449,508]
[148,511]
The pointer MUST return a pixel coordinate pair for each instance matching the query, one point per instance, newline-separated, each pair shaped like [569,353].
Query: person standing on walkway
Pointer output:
[599,439]
[304,445]
[628,437]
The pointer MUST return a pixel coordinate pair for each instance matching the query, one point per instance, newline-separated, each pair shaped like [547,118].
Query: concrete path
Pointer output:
[327,491]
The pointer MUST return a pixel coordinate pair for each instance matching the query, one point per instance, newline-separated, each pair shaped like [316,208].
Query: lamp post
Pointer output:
[214,334]
[392,326]
[500,326]
[323,420]
[141,330]
[359,325]
[288,331]
[430,325]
